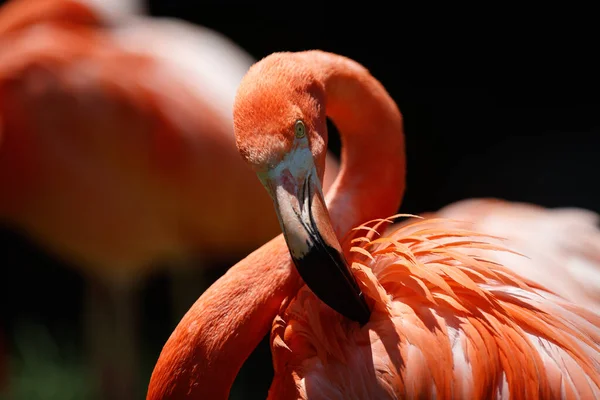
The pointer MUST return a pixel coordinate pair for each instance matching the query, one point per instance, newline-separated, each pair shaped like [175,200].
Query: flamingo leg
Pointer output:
[111,320]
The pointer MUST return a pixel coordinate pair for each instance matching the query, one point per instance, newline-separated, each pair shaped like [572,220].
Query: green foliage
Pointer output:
[42,369]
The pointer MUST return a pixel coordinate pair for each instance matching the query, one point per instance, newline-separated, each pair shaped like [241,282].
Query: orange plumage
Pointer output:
[562,245]
[444,323]
[444,320]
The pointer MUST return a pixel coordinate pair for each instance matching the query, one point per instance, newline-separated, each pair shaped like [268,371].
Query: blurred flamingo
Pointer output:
[117,154]
[418,314]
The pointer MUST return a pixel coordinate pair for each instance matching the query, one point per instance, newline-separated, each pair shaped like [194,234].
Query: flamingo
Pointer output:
[410,313]
[111,128]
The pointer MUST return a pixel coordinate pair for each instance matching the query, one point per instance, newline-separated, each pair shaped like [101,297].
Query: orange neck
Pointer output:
[207,349]
[372,176]
[210,344]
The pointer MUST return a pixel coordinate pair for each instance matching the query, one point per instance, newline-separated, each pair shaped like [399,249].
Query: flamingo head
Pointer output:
[281,131]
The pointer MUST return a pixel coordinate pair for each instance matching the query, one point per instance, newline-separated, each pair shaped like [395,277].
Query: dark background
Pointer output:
[494,105]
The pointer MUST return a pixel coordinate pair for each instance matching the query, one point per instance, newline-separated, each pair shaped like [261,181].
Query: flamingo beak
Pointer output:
[313,245]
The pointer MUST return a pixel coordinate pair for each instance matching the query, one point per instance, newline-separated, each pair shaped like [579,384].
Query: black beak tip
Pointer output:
[328,276]
[355,310]
[365,313]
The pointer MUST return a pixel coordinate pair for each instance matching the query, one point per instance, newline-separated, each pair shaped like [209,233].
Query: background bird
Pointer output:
[112,124]
[427,317]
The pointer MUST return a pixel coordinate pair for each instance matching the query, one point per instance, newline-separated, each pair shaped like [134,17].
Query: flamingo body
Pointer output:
[445,325]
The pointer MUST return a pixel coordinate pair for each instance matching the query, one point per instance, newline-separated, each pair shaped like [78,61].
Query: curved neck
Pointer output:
[210,344]
[372,177]
[207,349]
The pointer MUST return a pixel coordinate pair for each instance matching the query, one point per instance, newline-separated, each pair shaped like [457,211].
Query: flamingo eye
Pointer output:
[299,129]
